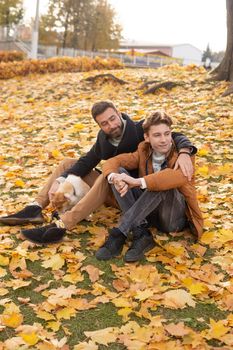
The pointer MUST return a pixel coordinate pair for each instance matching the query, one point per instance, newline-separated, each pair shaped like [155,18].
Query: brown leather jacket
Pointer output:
[163,180]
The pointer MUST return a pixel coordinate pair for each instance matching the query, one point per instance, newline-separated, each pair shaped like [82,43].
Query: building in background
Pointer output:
[186,52]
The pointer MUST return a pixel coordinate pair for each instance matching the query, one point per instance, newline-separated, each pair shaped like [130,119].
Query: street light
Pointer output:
[34,48]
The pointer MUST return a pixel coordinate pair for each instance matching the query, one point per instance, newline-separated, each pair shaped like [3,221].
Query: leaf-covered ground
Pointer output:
[59,296]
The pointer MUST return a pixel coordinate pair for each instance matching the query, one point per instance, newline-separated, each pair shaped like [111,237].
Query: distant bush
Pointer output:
[11,56]
[57,64]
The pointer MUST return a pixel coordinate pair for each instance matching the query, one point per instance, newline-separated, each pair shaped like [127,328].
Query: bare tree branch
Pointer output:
[106,77]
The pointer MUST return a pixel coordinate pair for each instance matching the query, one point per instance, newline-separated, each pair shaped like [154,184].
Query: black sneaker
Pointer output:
[30,214]
[142,242]
[45,234]
[113,245]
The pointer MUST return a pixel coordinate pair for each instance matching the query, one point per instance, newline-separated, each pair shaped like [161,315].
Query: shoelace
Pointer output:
[112,240]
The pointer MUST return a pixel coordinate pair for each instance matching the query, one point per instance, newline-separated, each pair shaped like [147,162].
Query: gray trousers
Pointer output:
[164,210]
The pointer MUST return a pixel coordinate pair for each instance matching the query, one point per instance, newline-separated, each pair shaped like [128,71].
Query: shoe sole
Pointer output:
[141,256]
[109,258]
[15,222]
[40,243]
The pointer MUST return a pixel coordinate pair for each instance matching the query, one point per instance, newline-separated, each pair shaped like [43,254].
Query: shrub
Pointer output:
[11,56]
[56,64]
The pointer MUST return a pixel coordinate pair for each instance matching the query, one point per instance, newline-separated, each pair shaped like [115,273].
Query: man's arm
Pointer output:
[185,149]
[163,180]
[184,163]
[167,179]
[182,142]
[81,168]
[84,165]
[129,161]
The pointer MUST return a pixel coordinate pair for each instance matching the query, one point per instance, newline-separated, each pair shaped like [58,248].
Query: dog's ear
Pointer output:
[67,195]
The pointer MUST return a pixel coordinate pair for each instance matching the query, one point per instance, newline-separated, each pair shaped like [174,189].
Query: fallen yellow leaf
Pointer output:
[55,262]
[20,183]
[86,346]
[4,260]
[178,298]
[218,329]
[225,235]
[54,325]
[207,237]
[30,338]
[66,313]
[12,320]
[103,336]
[45,315]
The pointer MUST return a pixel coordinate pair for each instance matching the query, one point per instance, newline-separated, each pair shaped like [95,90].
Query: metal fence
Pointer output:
[143,61]
[14,42]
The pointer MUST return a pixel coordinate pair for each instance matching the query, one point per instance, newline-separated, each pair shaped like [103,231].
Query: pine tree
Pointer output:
[207,54]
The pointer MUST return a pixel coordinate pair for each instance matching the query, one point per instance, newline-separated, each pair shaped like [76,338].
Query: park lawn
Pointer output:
[59,296]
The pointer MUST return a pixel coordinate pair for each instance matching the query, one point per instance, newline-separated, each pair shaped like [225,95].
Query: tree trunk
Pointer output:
[225,69]
[8,24]
[66,26]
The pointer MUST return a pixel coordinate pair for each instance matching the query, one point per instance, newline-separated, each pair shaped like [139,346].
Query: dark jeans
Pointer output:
[164,210]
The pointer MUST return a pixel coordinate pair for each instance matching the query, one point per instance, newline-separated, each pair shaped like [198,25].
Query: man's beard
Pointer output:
[117,132]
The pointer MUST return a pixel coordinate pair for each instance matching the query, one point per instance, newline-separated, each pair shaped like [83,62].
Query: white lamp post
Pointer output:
[34,48]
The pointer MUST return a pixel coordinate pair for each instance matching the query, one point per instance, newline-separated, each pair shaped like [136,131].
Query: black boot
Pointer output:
[113,245]
[30,214]
[45,234]
[142,242]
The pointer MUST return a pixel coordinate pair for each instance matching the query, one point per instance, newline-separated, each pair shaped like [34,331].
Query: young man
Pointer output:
[161,196]
[118,134]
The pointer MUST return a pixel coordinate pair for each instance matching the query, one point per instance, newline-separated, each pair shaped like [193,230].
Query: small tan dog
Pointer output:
[69,193]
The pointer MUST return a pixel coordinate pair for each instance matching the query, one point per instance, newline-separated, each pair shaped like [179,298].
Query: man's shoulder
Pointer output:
[144,147]
[101,136]
[137,123]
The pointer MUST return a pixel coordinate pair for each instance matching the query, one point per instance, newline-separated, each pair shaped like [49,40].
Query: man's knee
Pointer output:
[122,170]
[101,180]
[67,163]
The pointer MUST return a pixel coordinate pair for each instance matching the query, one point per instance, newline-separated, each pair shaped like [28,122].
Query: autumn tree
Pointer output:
[11,13]
[54,25]
[104,32]
[225,70]
[65,23]
[81,24]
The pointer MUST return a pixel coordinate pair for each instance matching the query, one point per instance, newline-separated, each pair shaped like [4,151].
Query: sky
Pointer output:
[196,22]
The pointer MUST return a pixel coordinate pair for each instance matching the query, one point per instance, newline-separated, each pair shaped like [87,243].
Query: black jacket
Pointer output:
[103,149]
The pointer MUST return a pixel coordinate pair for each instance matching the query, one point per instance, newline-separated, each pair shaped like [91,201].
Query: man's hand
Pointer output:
[53,189]
[122,187]
[185,164]
[123,182]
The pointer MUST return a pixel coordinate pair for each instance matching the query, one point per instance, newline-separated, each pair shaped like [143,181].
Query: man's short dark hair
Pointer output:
[156,118]
[100,107]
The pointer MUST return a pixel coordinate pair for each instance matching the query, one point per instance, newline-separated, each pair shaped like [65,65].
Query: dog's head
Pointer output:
[60,201]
